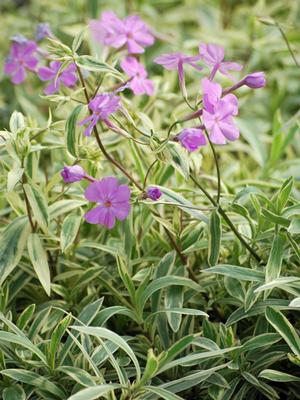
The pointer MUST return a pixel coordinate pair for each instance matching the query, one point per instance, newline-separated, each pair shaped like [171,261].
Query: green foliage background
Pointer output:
[124,318]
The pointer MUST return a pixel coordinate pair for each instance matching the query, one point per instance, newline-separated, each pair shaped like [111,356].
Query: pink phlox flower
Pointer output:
[192,138]
[115,32]
[218,112]
[213,56]
[139,83]
[113,202]
[102,106]
[176,61]
[22,56]
[67,76]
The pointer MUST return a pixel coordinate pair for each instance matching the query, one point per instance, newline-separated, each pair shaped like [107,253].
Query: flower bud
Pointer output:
[153,193]
[255,80]
[72,174]
[43,30]
[192,138]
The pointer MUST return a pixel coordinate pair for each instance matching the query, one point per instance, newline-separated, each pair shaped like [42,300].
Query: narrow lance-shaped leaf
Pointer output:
[71,137]
[38,206]
[284,328]
[12,243]
[38,257]
[214,238]
[69,231]
[273,267]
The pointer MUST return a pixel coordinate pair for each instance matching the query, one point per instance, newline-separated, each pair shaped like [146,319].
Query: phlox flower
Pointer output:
[218,112]
[131,32]
[192,138]
[102,106]
[22,56]
[113,200]
[138,83]
[176,61]
[256,80]
[67,76]
[213,56]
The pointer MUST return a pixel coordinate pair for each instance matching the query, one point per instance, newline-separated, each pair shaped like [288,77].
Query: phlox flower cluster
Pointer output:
[215,112]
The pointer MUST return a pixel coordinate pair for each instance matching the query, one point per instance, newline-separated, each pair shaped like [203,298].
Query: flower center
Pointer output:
[107,203]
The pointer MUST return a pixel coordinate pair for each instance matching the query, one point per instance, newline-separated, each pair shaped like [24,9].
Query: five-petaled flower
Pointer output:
[115,32]
[23,55]
[138,83]
[213,56]
[113,202]
[192,138]
[67,76]
[218,113]
[101,106]
[176,61]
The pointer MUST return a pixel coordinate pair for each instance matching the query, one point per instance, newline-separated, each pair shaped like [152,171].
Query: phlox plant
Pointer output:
[130,267]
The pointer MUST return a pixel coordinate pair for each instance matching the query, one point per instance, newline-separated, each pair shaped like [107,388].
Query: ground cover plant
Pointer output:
[149,217]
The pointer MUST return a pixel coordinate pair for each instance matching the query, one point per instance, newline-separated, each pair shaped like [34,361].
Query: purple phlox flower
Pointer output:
[139,83]
[115,32]
[22,56]
[67,76]
[153,193]
[213,56]
[19,39]
[176,61]
[113,202]
[43,30]
[218,112]
[102,106]
[255,80]
[74,173]
[192,138]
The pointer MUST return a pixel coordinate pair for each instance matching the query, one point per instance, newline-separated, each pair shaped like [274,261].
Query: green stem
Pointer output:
[227,219]
[288,44]
[217,167]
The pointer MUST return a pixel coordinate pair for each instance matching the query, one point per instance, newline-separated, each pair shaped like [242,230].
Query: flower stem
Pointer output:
[217,167]
[227,219]
[121,168]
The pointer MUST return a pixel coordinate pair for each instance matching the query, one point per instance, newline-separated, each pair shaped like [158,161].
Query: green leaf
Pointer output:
[77,374]
[113,337]
[165,282]
[94,392]
[33,379]
[78,40]
[179,159]
[284,194]
[214,238]
[15,392]
[183,204]
[71,136]
[294,228]
[279,282]
[150,370]
[25,317]
[92,64]
[163,393]
[281,324]
[241,273]
[273,267]
[295,302]
[264,340]
[56,337]
[16,122]
[69,230]
[278,376]
[38,257]
[12,243]
[13,177]
[7,337]
[64,206]
[38,205]
[274,218]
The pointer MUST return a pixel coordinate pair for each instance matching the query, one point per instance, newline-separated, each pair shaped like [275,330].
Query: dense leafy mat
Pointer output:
[191,299]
